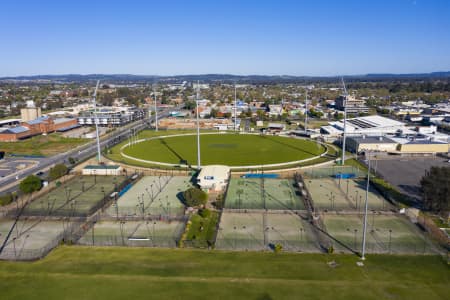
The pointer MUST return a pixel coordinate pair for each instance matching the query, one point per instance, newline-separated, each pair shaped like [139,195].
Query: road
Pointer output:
[10,182]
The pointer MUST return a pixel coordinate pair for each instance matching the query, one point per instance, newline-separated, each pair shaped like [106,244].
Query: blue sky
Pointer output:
[235,37]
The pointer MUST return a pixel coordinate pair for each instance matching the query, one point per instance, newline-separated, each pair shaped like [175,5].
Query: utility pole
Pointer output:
[345,122]
[96,122]
[198,126]
[365,209]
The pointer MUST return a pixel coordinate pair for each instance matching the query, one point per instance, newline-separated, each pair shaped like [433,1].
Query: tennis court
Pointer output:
[261,231]
[80,196]
[385,234]
[344,194]
[241,231]
[32,239]
[274,194]
[151,233]
[334,172]
[291,231]
[152,196]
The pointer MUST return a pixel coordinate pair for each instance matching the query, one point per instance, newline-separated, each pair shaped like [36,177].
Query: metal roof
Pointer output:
[15,130]
[62,120]
[37,121]
[97,167]
[68,128]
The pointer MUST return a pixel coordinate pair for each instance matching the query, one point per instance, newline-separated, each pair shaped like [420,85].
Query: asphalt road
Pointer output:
[10,182]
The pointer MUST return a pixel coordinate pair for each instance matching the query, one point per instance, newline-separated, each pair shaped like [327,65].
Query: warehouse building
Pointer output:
[369,126]
[371,143]
[41,125]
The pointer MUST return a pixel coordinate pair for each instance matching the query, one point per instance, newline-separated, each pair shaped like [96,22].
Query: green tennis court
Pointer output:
[344,194]
[385,234]
[77,197]
[134,233]
[153,196]
[274,194]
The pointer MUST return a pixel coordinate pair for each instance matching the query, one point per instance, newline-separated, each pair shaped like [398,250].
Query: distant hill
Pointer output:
[225,78]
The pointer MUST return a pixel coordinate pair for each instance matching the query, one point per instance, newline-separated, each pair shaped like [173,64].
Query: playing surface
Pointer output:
[245,231]
[152,196]
[77,197]
[227,149]
[31,238]
[277,194]
[403,238]
[134,233]
[344,194]
[143,273]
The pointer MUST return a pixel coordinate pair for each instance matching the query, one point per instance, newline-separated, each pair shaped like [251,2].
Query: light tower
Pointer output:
[96,122]
[363,253]
[198,126]
[235,108]
[345,122]
[306,111]
[156,110]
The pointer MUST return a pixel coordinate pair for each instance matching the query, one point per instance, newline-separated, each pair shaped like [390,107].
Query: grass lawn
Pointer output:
[143,273]
[201,230]
[114,153]
[43,145]
[229,149]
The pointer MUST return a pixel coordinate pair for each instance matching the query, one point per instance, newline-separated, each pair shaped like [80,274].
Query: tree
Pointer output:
[57,171]
[189,105]
[436,190]
[30,184]
[194,197]
[6,199]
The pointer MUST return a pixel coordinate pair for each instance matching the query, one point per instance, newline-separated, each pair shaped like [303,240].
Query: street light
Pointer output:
[365,210]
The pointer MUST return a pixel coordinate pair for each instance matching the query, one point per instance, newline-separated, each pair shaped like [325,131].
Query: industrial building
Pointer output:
[399,144]
[370,125]
[213,177]
[30,113]
[371,143]
[41,125]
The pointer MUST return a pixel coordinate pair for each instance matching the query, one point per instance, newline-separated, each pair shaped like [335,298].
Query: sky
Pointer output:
[175,37]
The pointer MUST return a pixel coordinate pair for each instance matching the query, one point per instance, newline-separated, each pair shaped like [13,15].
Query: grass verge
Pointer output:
[124,273]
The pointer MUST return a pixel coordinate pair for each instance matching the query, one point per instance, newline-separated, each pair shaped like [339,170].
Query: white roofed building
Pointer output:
[370,125]
[213,177]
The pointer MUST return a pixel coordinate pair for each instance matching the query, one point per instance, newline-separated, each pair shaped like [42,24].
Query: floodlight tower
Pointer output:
[306,110]
[198,125]
[363,253]
[345,122]
[235,108]
[156,110]
[96,122]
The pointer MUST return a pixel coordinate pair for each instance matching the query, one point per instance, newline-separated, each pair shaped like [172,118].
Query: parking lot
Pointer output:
[13,165]
[406,173]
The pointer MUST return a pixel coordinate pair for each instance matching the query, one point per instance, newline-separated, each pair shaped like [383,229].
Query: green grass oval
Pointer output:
[227,149]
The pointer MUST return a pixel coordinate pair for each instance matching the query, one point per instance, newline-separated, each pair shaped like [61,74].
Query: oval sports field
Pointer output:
[226,149]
